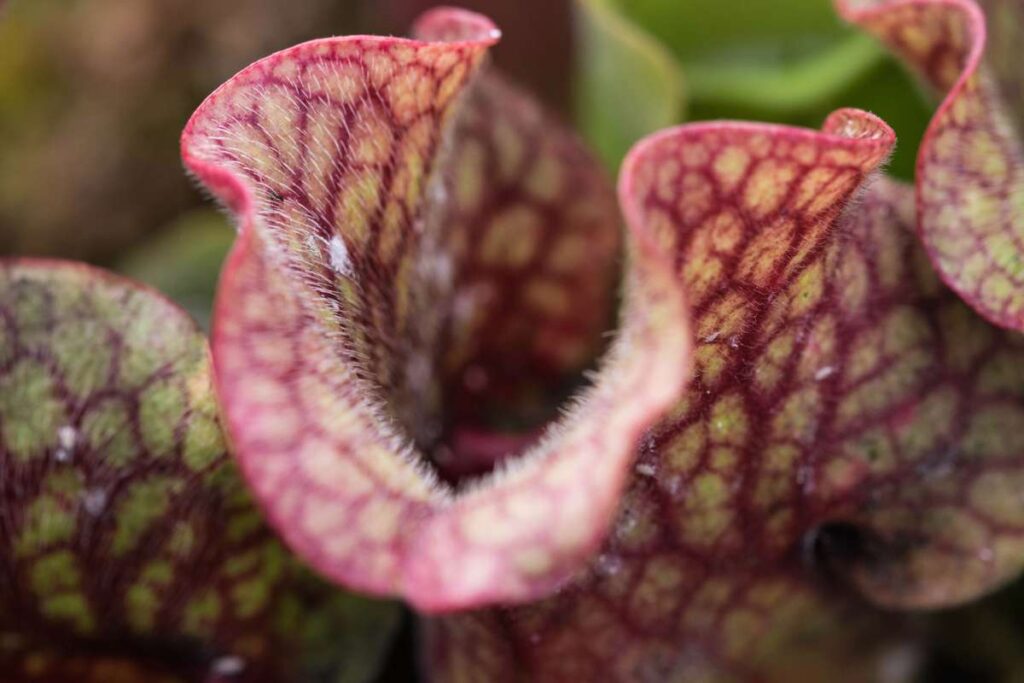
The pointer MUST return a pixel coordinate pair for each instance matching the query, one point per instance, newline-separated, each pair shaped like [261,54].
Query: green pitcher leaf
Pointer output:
[131,549]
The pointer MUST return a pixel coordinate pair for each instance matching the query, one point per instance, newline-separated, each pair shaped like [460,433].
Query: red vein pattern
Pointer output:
[372,212]
[532,228]
[846,409]
[129,548]
[970,168]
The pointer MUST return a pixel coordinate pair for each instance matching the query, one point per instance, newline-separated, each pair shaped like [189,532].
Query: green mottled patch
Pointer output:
[249,597]
[264,567]
[106,429]
[83,363]
[55,572]
[274,561]
[65,483]
[153,340]
[57,581]
[241,563]
[30,410]
[145,503]
[1002,372]
[160,401]
[204,443]
[48,521]
[127,515]
[798,415]
[71,607]
[711,489]
[143,598]
[243,524]
[68,303]
[141,605]
[29,303]
[183,539]
[158,572]
[987,436]
[728,420]
[934,418]
[201,613]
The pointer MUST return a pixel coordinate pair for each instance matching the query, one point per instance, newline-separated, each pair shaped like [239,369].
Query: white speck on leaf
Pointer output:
[805,478]
[627,522]
[607,565]
[438,193]
[341,262]
[67,436]
[228,666]
[95,501]
[674,484]
[438,268]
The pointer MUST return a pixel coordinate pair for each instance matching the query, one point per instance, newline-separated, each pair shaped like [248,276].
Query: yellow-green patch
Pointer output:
[30,409]
[144,503]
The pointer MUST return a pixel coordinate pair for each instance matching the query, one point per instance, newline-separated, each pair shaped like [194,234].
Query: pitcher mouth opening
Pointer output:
[487,427]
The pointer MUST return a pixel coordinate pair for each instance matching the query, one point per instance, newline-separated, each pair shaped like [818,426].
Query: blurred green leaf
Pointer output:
[783,86]
[790,61]
[184,261]
[784,31]
[629,84]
